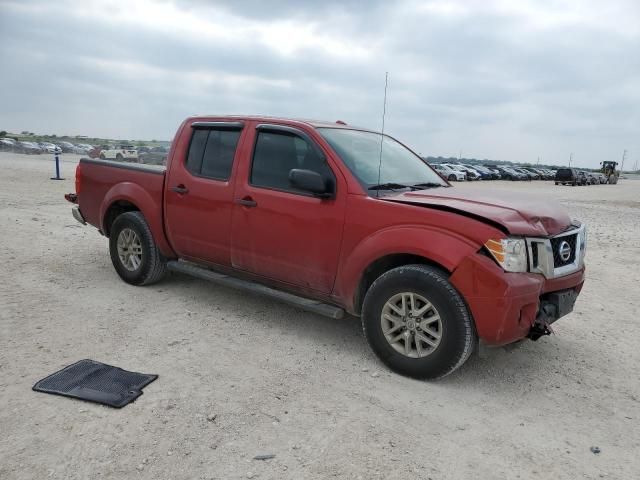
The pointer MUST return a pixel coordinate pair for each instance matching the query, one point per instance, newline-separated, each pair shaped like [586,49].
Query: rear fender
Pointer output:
[150,208]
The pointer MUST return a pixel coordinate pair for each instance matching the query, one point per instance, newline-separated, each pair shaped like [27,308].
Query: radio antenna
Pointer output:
[384,112]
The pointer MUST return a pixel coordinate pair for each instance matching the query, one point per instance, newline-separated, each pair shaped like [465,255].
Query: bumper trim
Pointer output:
[75,211]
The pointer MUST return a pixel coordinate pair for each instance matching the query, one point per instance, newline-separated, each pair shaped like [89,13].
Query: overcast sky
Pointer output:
[498,79]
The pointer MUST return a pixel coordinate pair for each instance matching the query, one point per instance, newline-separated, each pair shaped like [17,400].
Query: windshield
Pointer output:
[360,151]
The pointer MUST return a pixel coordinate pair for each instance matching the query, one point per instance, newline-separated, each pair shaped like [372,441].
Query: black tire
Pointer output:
[556,183]
[102,157]
[119,158]
[458,336]
[152,266]
[452,178]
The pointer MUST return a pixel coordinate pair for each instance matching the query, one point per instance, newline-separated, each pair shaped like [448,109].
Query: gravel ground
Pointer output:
[242,376]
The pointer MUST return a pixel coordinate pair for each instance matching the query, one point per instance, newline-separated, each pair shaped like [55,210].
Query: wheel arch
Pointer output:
[380,266]
[395,247]
[127,197]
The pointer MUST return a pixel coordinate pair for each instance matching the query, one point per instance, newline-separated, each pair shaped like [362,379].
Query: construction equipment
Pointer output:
[609,171]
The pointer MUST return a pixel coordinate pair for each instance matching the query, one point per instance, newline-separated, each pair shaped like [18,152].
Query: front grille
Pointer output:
[557,243]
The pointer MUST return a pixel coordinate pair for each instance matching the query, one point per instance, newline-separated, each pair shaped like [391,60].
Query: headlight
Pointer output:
[510,253]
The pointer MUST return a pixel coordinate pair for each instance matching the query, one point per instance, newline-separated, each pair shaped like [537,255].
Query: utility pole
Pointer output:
[624,156]
[538,160]
[570,158]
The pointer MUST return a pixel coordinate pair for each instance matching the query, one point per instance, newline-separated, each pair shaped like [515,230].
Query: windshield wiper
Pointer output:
[422,186]
[388,186]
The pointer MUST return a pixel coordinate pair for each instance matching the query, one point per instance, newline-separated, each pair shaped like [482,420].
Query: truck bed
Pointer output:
[105,182]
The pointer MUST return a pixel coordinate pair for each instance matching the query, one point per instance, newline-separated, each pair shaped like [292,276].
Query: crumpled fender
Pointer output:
[440,246]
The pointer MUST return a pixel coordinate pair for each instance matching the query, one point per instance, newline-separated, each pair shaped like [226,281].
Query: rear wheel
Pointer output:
[102,157]
[119,157]
[133,251]
[417,323]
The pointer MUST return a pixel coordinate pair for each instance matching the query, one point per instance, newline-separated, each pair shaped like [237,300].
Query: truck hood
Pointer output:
[517,214]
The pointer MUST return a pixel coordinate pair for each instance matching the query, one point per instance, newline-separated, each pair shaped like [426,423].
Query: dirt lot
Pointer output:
[284,382]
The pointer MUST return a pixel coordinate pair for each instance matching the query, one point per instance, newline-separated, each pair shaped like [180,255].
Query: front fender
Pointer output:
[440,246]
[151,209]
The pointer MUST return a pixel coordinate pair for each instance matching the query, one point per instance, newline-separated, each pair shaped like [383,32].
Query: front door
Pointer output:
[277,231]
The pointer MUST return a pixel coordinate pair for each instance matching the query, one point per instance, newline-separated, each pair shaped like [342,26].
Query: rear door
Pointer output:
[199,195]
[279,232]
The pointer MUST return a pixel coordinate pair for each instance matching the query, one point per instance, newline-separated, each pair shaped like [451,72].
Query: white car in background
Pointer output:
[50,147]
[449,173]
[468,174]
[121,153]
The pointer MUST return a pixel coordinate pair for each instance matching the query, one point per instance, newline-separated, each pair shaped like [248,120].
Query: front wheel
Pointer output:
[417,323]
[452,178]
[134,253]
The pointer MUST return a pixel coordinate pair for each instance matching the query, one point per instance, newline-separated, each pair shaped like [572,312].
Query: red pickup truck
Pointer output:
[337,219]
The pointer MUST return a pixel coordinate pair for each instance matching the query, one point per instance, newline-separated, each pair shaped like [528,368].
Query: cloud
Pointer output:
[495,79]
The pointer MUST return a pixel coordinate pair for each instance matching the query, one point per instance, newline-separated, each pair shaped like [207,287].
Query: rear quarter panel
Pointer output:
[103,184]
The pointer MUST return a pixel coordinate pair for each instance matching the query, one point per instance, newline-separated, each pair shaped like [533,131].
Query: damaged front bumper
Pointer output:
[508,307]
[552,307]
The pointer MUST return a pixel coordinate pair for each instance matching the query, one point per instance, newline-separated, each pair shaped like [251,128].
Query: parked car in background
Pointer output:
[547,174]
[536,172]
[592,178]
[526,175]
[121,153]
[84,148]
[96,150]
[570,176]
[471,174]
[66,147]
[50,147]
[508,173]
[584,178]
[494,171]
[29,148]
[154,156]
[479,174]
[458,168]
[7,145]
[449,173]
[486,173]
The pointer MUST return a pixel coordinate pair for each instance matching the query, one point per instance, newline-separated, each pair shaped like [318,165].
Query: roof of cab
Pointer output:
[266,118]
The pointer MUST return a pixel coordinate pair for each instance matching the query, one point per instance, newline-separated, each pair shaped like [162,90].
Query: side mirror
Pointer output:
[310,181]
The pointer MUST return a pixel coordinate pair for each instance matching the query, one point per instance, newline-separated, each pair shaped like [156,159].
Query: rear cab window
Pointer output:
[211,152]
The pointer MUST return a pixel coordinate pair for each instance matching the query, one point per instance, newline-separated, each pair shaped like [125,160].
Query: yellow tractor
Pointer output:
[609,171]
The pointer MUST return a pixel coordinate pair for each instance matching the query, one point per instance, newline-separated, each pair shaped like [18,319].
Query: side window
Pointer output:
[277,153]
[211,152]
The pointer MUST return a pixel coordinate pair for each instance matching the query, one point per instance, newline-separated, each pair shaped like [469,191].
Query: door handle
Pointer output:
[247,202]
[181,189]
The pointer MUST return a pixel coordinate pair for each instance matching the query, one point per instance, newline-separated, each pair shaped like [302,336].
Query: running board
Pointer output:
[307,304]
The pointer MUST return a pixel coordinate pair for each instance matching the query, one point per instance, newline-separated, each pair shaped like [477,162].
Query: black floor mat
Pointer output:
[96,382]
